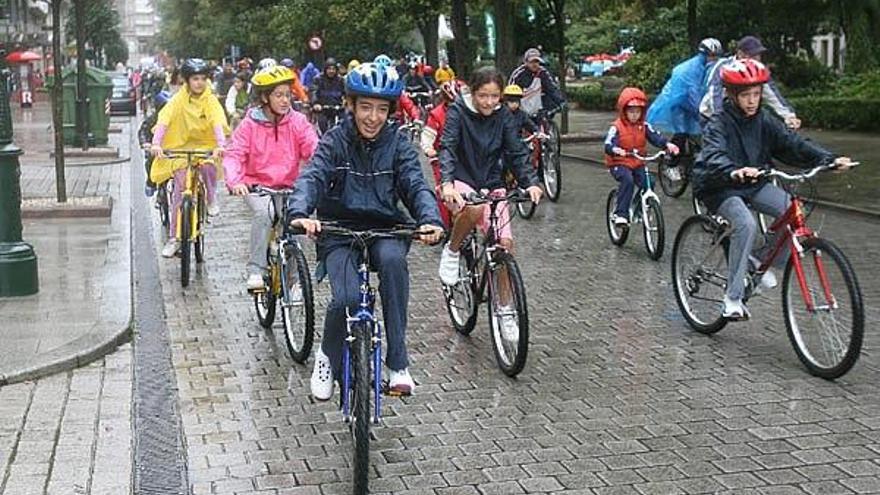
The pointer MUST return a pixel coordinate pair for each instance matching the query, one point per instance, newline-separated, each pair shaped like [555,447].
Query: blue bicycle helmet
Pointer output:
[287,62]
[161,98]
[384,60]
[375,81]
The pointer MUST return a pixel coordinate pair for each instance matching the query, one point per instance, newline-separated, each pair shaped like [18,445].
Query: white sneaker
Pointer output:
[509,325]
[322,377]
[619,220]
[768,280]
[255,282]
[170,249]
[400,383]
[449,266]
[734,310]
[213,210]
[673,173]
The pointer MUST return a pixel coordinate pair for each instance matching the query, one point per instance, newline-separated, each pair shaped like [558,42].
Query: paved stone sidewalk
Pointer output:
[69,434]
[618,395]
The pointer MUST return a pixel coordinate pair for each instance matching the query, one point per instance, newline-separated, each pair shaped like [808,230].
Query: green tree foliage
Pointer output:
[102,31]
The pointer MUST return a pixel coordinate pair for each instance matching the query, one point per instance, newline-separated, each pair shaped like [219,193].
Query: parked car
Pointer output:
[123,101]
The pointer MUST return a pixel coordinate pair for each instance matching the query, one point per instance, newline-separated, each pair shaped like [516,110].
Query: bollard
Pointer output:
[18,261]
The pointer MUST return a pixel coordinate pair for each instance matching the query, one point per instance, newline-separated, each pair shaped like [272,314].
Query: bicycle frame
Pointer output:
[364,314]
[792,226]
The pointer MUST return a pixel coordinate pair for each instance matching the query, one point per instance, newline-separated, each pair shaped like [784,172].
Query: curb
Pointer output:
[854,210]
[96,344]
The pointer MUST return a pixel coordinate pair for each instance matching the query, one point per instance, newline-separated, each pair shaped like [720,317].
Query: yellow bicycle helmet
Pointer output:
[272,76]
[513,90]
[353,64]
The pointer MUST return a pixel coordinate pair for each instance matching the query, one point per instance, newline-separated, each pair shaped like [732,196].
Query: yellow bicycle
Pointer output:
[193,210]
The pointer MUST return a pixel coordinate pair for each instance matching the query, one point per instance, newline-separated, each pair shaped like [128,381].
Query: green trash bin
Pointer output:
[99,87]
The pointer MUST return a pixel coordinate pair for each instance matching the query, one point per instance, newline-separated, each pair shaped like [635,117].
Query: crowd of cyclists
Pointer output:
[333,135]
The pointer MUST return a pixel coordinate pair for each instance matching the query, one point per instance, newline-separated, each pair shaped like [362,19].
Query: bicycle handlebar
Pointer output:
[535,135]
[185,153]
[801,176]
[514,195]
[331,228]
[651,158]
[268,191]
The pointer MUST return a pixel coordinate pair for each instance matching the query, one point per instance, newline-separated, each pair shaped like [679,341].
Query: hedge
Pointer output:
[855,114]
[592,96]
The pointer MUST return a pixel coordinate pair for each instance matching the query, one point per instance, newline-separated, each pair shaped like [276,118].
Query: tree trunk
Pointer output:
[505,58]
[693,35]
[559,16]
[57,120]
[463,59]
[428,28]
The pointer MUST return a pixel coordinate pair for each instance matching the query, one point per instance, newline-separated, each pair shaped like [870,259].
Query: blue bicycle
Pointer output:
[362,350]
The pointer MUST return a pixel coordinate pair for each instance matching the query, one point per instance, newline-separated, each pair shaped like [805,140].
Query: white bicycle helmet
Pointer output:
[711,46]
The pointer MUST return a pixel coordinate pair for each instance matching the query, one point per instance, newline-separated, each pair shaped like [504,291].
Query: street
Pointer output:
[618,394]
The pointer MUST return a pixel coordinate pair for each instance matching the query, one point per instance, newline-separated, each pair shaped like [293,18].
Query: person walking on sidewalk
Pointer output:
[192,119]
[267,149]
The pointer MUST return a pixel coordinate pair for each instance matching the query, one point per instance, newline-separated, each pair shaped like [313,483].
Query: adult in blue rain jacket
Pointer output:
[676,110]
[360,172]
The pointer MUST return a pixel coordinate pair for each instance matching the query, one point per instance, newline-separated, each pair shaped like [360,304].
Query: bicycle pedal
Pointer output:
[386,390]
[254,292]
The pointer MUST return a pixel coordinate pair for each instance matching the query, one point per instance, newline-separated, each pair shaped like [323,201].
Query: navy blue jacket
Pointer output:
[359,183]
[472,147]
[732,141]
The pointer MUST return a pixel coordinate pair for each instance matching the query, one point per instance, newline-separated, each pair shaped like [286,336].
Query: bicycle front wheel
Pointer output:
[297,303]
[360,404]
[654,229]
[699,273]
[525,209]
[827,331]
[186,208]
[673,177]
[552,164]
[617,233]
[461,298]
[508,315]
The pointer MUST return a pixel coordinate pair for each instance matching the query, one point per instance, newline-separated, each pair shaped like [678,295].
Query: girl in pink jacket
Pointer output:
[268,148]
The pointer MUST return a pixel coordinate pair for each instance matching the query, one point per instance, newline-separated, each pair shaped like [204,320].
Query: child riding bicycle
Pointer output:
[267,149]
[431,135]
[192,119]
[359,173]
[480,131]
[630,132]
[737,144]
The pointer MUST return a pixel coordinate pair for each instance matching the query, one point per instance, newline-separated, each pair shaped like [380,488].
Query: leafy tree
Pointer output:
[102,31]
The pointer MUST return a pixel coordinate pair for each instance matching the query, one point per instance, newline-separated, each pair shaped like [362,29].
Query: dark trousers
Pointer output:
[627,178]
[388,258]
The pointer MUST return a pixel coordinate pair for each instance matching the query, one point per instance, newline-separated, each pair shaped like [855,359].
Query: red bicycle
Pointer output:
[536,143]
[821,299]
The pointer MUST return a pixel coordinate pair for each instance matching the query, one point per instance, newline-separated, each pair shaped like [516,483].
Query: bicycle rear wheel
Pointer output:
[186,208]
[552,164]
[297,303]
[674,187]
[461,299]
[508,315]
[360,404]
[617,233]
[827,338]
[699,273]
[654,229]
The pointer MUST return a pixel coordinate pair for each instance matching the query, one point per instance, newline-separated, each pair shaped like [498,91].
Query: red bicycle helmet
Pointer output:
[744,73]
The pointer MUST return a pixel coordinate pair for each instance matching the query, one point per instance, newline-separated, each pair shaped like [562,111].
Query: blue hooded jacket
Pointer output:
[677,108]
[308,74]
[360,183]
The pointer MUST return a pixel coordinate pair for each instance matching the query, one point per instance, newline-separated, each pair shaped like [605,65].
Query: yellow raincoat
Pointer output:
[190,124]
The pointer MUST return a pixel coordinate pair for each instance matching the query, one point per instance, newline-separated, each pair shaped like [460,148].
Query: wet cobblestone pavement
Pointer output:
[618,395]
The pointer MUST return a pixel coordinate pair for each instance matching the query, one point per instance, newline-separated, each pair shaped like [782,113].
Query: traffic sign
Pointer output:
[315,43]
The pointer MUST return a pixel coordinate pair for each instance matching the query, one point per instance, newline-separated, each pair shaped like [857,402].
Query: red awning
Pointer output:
[23,57]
